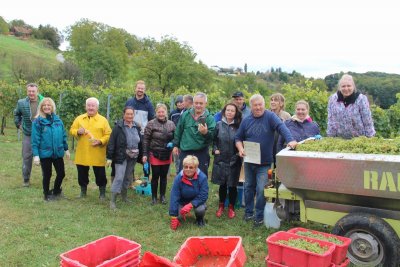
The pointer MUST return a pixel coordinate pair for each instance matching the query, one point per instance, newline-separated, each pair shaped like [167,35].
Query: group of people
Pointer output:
[153,138]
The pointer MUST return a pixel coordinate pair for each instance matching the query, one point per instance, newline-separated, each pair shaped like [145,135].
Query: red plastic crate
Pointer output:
[108,251]
[151,260]
[295,257]
[345,263]
[269,263]
[211,251]
[339,255]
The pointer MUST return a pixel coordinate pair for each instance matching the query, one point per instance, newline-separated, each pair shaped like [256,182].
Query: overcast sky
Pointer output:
[313,37]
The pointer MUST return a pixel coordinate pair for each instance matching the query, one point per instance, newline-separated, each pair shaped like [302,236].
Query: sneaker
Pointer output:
[49,198]
[200,223]
[258,223]
[248,217]
[26,183]
[58,196]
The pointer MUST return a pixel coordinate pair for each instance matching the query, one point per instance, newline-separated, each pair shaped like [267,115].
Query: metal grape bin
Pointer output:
[346,180]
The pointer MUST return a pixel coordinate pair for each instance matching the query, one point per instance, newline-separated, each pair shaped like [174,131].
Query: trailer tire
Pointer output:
[374,242]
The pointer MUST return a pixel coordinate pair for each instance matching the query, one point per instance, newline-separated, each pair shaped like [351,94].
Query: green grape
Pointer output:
[373,145]
[304,245]
[320,237]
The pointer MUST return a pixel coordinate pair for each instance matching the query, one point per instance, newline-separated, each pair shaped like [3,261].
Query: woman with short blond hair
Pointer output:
[189,191]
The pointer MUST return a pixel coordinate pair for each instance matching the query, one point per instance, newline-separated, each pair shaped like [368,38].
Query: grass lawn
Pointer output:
[34,232]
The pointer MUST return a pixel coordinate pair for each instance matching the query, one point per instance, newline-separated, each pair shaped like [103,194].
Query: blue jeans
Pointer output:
[256,179]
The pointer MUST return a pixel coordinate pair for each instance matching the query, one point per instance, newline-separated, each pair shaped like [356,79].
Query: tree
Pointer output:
[49,33]
[132,43]
[169,64]
[8,100]
[99,50]
[18,22]
[4,28]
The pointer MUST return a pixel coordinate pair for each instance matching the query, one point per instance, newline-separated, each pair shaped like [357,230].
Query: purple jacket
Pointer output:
[299,130]
[351,121]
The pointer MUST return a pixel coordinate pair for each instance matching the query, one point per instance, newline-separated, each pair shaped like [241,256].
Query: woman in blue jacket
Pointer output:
[49,144]
[189,191]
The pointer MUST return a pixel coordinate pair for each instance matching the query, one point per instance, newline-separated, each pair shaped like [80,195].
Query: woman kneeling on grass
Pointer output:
[49,144]
[190,190]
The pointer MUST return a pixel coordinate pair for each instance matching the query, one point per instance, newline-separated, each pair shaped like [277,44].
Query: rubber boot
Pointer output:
[102,195]
[231,211]
[220,210]
[83,192]
[124,195]
[163,201]
[113,205]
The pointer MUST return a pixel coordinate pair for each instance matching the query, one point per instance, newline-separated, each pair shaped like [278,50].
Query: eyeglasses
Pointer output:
[188,167]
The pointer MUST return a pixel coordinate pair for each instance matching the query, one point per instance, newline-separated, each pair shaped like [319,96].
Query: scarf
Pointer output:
[351,99]
[188,180]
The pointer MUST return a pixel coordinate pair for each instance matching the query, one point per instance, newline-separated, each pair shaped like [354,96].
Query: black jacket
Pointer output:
[226,167]
[116,148]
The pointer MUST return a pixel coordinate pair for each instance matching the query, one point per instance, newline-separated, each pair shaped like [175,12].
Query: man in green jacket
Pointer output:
[194,133]
[24,114]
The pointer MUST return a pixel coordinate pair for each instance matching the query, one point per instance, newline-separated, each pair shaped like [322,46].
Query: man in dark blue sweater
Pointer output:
[144,110]
[259,128]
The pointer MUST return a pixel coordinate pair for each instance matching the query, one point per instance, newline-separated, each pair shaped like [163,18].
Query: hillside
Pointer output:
[14,51]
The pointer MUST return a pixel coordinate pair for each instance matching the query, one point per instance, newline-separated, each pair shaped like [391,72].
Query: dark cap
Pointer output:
[238,94]
[178,99]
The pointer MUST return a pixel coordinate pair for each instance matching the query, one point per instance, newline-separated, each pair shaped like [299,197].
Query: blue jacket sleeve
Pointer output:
[174,197]
[65,141]
[151,112]
[280,144]
[282,129]
[35,137]
[202,197]
[218,116]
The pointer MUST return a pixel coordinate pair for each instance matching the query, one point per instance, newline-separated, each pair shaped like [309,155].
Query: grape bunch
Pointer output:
[373,145]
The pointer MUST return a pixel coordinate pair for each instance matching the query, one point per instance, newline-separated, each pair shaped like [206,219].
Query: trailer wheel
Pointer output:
[374,242]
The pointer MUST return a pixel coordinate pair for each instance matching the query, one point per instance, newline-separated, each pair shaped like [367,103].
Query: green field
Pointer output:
[34,232]
[11,47]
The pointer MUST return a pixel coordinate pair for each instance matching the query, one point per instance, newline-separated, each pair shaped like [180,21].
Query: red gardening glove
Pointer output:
[174,223]
[185,210]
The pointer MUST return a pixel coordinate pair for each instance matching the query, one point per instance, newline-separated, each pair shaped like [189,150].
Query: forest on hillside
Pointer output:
[102,56]
[103,60]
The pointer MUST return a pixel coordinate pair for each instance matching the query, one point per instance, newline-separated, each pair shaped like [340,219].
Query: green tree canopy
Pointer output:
[49,33]
[99,50]
[169,64]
